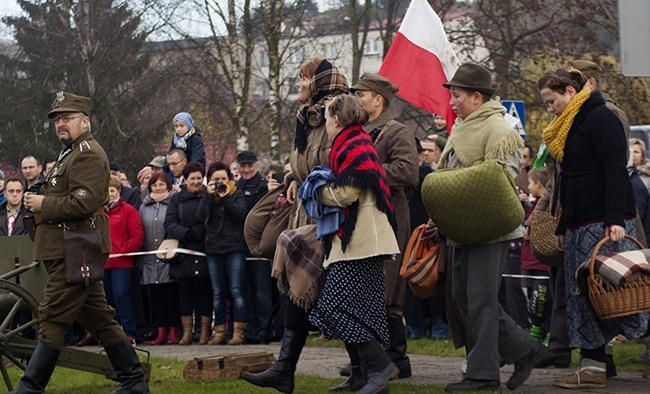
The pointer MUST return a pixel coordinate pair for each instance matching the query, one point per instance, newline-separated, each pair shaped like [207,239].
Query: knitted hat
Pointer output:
[472,77]
[377,84]
[144,172]
[185,118]
[68,102]
[588,68]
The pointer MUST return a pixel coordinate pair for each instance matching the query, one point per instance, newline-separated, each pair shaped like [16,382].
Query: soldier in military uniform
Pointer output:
[72,199]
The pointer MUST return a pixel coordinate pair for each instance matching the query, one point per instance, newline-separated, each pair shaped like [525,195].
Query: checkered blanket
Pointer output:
[298,265]
[623,267]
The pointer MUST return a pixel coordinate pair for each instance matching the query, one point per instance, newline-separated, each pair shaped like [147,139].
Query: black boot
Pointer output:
[397,349]
[129,370]
[281,375]
[378,366]
[39,370]
[354,382]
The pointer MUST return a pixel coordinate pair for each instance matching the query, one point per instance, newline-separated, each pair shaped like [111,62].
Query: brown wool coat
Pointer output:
[399,157]
[316,154]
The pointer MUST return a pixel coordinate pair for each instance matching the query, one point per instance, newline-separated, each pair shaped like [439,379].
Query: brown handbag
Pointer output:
[541,234]
[84,262]
[422,264]
[264,223]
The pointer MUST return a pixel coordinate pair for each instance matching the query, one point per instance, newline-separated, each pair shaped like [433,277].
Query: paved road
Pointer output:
[427,370]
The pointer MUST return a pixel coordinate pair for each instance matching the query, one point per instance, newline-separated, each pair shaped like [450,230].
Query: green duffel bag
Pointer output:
[473,205]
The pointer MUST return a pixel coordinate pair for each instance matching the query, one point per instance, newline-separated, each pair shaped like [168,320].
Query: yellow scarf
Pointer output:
[233,189]
[555,134]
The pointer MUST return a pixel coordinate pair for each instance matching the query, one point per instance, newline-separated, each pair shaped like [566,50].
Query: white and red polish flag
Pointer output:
[421,59]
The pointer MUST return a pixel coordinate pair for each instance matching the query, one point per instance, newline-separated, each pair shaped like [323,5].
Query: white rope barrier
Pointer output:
[525,276]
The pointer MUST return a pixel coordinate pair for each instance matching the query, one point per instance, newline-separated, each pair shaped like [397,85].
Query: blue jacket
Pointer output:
[329,218]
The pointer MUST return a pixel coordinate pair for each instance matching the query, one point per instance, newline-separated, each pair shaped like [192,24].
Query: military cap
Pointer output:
[377,84]
[158,161]
[246,157]
[68,102]
[588,68]
[472,77]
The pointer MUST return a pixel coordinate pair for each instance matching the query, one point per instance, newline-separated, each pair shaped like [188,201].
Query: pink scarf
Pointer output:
[158,197]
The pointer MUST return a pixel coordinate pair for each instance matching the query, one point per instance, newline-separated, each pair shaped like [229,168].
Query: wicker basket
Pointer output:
[611,301]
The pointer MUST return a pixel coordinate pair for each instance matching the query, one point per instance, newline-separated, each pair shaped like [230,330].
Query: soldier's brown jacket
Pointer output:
[74,193]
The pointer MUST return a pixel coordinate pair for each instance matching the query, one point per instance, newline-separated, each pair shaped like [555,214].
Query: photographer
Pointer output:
[225,209]
[274,175]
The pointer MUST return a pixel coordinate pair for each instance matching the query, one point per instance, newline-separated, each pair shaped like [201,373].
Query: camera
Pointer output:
[220,187]
[278,176]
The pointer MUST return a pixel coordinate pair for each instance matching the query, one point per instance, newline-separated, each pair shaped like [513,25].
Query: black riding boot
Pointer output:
[357,379]
[397,349]
[129,370]
[39,370]
[281,374]
[378,367]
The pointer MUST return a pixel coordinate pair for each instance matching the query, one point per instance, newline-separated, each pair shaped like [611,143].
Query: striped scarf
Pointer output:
[327,83]
[354,161]
[555,134]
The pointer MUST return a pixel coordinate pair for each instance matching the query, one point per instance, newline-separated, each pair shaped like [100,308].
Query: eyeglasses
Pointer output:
[176,163]
[64,118]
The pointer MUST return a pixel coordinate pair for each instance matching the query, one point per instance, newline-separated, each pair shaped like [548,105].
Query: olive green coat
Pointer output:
[74,192]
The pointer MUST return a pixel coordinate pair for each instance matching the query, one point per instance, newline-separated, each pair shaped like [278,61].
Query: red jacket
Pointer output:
[126,232]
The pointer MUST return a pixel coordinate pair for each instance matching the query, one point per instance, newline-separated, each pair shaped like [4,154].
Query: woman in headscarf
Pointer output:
[319,82]
[589,143]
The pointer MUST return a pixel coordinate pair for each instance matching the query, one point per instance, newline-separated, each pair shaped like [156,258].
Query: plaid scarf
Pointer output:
[327,83]
[354,161]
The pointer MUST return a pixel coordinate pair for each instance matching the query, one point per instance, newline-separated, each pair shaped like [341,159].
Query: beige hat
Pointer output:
[158,161]
[588,68]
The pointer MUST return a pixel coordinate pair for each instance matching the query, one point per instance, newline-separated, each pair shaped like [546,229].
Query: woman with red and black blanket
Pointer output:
[351,305]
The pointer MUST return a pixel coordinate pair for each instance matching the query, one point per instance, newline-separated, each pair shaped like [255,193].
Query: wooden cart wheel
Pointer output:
[13,299]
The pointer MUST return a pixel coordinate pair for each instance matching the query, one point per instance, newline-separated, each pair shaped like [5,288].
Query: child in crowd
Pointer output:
[539,295]
[188,138]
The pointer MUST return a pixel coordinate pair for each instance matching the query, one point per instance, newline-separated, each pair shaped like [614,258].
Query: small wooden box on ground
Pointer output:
[226,366]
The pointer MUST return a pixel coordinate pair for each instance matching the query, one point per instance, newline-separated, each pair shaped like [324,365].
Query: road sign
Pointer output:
[517,109]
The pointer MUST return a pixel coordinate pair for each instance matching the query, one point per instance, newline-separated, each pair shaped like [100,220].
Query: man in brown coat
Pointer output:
[399,157]
[72,199]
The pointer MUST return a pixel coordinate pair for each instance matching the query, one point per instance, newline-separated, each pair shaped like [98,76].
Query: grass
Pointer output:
[167,374]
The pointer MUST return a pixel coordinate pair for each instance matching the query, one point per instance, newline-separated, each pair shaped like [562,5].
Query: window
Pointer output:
[297,54]
[330,50]
[264,58]
[372,46]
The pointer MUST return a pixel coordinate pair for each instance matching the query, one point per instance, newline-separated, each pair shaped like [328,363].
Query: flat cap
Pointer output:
[246,157]
[377,84]
[68,102]
[588,68]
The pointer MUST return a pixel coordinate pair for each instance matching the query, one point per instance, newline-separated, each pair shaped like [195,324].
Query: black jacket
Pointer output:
[184,222]
[225,223]
[253,190]
[19,226]
[594,183]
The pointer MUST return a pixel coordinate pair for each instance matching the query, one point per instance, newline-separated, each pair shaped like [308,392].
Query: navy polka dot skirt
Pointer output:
[351,306]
